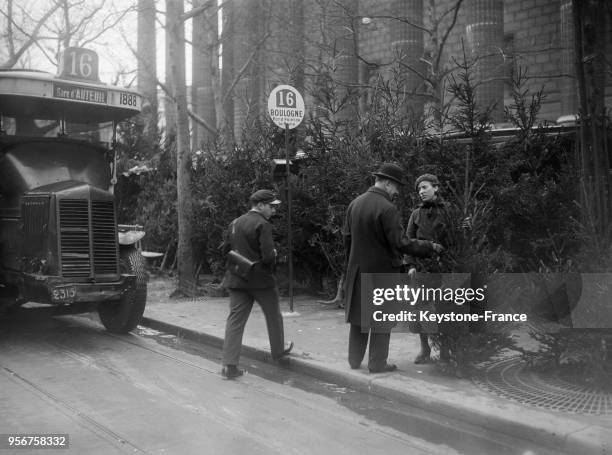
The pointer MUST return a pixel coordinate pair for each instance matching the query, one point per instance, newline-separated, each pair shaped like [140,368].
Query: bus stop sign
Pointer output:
[286,106]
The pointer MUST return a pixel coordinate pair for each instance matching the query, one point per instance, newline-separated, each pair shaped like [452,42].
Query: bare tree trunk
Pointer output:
[147,67]
[204,69]
[223,99]
[198,68]
[186,279]
[209,108]
[169,103]
[67,31]
[589,17]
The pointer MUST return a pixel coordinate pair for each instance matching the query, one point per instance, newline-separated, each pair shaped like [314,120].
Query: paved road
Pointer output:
[131,394]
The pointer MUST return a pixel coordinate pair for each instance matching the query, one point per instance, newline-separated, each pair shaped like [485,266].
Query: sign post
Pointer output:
[286,109]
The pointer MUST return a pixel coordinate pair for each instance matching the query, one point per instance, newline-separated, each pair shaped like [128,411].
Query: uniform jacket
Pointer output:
[373,241]
[251,235]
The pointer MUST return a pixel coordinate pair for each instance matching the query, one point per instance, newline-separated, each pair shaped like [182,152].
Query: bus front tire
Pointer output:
[125,314]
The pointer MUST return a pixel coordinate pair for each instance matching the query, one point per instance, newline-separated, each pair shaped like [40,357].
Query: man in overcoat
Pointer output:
[374,243]
[251,236]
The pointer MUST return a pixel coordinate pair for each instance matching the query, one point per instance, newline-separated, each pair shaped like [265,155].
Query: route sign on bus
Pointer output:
[286,106]
[74,94]
[78,63]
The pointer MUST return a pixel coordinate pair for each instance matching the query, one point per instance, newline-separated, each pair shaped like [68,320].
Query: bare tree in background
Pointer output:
[205,68]
[61,23]
[147,67]
[591,61]
[176,61]
[22,32]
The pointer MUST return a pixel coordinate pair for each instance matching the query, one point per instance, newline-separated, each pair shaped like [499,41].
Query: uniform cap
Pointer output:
[265,196]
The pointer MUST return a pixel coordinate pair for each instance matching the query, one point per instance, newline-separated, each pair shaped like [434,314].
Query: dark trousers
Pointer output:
[358,342]
[241,303]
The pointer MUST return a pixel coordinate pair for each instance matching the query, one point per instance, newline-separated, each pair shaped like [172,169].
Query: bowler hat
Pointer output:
[390,171]
[427,178]
[265,196]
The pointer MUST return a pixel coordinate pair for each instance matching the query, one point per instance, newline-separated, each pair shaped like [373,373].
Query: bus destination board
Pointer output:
[79,93]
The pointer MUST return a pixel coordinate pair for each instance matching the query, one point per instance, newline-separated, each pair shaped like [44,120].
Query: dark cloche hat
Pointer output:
[427,178]
[265,196]
[391,171]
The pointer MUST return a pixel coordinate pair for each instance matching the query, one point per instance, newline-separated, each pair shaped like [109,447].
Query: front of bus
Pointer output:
[60,243]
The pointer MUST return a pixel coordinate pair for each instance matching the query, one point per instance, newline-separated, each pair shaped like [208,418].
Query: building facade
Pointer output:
[345,46]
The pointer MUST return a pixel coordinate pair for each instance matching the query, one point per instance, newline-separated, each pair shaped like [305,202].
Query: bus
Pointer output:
[60,245]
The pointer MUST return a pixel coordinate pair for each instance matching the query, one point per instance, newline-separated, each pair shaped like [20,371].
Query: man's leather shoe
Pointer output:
[285,352]
[231,372]
[386,369]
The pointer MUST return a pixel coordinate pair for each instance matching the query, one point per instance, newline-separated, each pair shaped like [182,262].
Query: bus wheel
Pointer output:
[125,314]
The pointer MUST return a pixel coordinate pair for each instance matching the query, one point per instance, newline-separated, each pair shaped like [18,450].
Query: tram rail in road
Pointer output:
[156,392]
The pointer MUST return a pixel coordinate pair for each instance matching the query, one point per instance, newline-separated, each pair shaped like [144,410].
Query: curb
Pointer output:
[585,441]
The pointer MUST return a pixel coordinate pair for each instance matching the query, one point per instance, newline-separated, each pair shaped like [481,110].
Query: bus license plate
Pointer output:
[64,294]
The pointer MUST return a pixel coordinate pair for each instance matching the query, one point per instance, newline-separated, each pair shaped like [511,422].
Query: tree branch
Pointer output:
[32,38]
[110,26]
[169,93]
[418,73]
[195,11]
[448,31]
[401,19]
[11,41]
[244,67]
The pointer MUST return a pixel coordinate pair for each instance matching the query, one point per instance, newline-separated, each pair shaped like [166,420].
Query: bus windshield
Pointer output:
[35,127]
[37,104]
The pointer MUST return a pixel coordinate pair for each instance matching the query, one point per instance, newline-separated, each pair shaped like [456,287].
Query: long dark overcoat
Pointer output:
[374,242]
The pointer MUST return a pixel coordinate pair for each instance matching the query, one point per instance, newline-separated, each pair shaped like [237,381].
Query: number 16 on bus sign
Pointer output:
[286,106]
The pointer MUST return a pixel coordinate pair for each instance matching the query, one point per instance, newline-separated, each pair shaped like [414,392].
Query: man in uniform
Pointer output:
[374,243]
[250,235]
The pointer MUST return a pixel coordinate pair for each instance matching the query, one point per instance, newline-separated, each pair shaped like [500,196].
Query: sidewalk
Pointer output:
[321,336]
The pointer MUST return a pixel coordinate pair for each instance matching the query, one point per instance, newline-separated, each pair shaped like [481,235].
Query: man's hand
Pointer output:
[437,247]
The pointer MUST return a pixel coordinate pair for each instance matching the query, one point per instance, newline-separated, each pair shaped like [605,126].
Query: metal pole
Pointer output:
[289,233]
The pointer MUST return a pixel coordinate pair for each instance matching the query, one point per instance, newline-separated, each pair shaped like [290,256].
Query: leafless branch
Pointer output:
[168,91]
[81,27]
[11,42]
[31,39]
[448,30]
[196,11]
[244,67]
[415,71]
[105,28]
[66,12]
[45,52]
[400,19]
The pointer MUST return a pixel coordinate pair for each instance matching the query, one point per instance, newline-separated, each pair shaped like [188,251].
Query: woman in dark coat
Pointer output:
[429,221]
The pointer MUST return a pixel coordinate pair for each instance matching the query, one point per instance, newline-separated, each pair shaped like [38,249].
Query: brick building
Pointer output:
[356,41]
